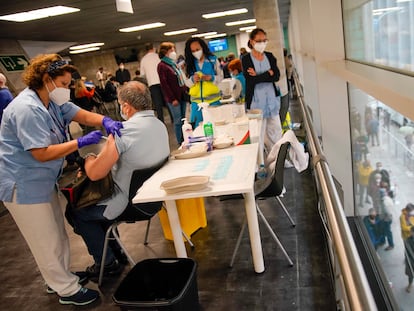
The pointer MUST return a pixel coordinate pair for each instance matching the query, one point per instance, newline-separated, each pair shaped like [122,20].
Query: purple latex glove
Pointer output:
[112,126]
[89,139]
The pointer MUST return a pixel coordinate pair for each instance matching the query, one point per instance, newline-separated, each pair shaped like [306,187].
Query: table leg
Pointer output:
[254,232]
[176,228]
[261,130]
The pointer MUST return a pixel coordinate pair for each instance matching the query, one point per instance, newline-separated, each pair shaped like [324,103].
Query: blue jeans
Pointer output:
[178,113]
[91,225]
[386,227]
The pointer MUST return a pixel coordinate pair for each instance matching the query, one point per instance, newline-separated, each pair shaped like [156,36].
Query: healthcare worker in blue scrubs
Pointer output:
[33,144]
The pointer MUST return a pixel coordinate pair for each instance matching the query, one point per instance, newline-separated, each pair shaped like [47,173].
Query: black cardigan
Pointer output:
[251,81]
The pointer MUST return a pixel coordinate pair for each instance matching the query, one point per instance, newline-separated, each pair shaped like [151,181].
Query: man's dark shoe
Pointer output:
[83,297]
[83,279]
[114,268]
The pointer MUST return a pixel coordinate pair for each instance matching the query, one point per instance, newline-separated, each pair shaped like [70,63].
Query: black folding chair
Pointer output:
[272,186]
[132,213]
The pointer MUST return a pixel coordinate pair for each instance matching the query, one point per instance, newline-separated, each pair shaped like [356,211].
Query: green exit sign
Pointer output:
[14,62]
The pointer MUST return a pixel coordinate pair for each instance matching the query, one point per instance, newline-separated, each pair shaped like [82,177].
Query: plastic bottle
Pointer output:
[187,131]
[209,134]
[261,172]
[208,129]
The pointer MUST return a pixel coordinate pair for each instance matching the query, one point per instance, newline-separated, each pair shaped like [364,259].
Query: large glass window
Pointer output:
[380,32]
[383,162]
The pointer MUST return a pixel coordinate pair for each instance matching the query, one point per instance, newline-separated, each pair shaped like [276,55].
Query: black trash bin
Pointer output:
[168,284]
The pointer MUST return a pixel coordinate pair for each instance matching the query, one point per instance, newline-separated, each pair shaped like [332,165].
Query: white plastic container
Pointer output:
[187,131]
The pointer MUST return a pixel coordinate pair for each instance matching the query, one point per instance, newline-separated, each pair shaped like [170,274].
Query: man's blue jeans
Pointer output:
[91,225]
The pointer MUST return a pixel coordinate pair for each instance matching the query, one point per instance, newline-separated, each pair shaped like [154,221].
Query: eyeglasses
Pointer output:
[261,41]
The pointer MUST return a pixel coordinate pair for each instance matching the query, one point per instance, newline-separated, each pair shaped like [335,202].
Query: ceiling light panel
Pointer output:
[247,28]
[179,32]
[39,13]
[204,34]
[225,13]
[142,27]
[85,50]
[86,46]
[246,21]
[216,36]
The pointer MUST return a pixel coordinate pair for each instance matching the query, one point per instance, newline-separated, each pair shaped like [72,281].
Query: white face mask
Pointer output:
[173,56]
[198,54]
[59,95]
[260,46]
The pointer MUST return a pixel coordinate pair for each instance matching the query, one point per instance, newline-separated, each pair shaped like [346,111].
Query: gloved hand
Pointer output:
[112,126]
[89,139]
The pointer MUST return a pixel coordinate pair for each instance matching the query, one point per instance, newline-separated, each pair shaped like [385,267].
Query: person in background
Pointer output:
[235,68]
[101,77]
[243,52]
[122,75]
[289,69]
[139,78]
[148,66]
[181,62]
[373,225]
[34,142]
[5,96]
[83,95]
[143,144]
[226,72]
[407,220]
[111,87]
[173,86]
[384,178]
[261,72]
[364,171]
[409,259]
[201,66]
[373,131]
[83,99]
[386,207]
[284,105]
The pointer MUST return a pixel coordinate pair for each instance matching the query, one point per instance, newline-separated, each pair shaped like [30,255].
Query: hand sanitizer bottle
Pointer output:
[187,131]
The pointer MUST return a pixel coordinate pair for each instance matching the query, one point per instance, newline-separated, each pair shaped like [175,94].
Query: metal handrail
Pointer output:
[356,288]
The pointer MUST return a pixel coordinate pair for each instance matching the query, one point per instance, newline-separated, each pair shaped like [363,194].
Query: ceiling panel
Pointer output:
[98,20]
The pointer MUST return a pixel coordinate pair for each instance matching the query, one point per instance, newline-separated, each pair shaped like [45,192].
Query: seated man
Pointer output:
[144,143]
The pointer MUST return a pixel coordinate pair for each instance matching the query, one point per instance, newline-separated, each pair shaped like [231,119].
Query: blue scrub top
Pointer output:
[28,124]
[264,97]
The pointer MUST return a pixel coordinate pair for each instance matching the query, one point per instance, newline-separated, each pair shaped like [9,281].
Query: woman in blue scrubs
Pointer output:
[33,145]
[261,73]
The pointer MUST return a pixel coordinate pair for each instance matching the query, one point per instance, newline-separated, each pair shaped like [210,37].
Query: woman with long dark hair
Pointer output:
[203,70]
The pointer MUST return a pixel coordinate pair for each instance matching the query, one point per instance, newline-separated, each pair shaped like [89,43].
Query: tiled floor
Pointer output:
[305,286]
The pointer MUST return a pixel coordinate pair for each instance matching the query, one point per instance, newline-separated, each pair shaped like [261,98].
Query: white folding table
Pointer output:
[231,171]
